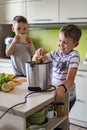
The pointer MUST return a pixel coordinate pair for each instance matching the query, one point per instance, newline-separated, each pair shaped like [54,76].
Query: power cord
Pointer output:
[46,90]
[16,104]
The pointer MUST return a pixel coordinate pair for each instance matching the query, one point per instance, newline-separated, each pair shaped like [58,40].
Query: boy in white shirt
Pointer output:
[20,50]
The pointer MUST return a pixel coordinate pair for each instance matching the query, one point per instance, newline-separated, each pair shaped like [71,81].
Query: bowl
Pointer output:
[38,114]
[37,120]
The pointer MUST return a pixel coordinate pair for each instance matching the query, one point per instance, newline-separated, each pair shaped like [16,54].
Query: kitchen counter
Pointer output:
[5,60]
[32,100]
[5,65]
[83,66]
[35,102]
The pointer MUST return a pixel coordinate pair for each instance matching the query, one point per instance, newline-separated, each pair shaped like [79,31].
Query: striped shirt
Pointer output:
[60,65]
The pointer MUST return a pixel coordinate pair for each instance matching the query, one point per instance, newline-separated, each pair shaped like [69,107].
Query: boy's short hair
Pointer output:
[19,19]
[71,31]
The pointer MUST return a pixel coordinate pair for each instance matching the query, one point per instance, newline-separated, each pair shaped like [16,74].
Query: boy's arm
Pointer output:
[10,49]
[31,49]
[31,46]
[70,77]
[67,86]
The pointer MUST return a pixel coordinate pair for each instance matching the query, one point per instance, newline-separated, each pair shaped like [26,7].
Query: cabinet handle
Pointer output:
[42,20]
[34,0]
[5,1]
[79,18]
[7,21]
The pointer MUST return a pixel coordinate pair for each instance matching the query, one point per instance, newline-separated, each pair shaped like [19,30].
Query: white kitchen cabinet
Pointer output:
[79,119]
[73,10]
[81,83]
[12,8]
[5,66]
[42,11]
[10,1]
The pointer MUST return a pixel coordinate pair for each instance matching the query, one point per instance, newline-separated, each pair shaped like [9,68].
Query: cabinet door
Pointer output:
[81,84]
[10,1]
[42,11]
[73,10]
[10,10]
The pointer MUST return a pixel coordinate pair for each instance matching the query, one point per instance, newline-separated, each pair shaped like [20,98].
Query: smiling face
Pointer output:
[19,28]
[66,44]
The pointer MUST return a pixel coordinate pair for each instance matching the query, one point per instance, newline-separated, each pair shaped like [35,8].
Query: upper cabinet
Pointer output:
[73,10]
[7,1]
[11,8]
[43,11]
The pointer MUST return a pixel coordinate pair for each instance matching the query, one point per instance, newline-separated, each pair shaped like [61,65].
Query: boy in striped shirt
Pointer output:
[65,62]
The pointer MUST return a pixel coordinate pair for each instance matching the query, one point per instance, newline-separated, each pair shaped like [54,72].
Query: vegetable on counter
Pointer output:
[7,82]
[3,79]
[6,87]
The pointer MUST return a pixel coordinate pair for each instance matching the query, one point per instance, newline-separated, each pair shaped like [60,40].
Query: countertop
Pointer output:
[34,101]
[83,66]
[5,60]
[78,114]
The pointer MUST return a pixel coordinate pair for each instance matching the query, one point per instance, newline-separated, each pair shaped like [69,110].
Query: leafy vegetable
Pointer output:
[3,79]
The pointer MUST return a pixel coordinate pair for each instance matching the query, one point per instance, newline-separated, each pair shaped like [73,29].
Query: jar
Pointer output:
[60,109]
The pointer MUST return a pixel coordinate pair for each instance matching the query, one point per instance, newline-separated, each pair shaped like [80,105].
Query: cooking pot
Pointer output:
[38,75]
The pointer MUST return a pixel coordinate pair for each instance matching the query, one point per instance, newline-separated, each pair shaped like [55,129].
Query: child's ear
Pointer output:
[12,29]
[76,44]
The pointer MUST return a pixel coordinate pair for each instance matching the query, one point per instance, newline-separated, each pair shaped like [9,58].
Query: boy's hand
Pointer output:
[40,52]
[16,39]
[23,38]
[39,56]
[29,40]
[59,94]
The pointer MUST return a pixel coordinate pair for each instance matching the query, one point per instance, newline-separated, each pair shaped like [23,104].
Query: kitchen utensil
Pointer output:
[38,75]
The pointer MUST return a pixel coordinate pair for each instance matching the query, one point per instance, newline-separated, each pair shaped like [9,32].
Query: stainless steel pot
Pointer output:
[38,76]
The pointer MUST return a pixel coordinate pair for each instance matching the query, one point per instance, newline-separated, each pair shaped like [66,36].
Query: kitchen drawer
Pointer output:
[81,84]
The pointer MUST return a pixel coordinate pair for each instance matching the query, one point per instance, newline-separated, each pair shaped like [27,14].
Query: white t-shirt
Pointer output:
[19,57]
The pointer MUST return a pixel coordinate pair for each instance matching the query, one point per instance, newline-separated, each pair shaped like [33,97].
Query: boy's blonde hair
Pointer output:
[19,19]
